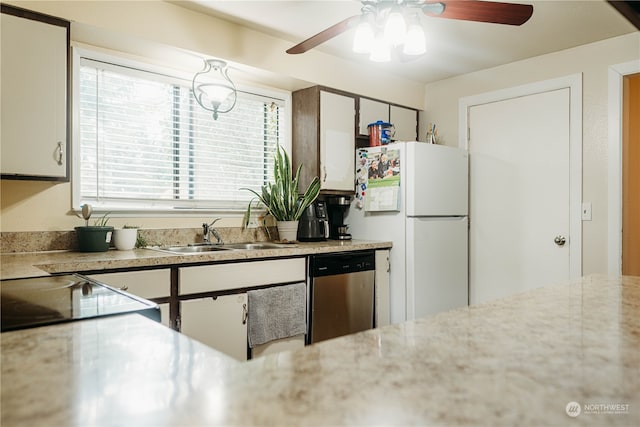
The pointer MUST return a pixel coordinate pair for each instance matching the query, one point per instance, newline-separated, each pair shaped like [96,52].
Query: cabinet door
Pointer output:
[220,323]
[383,303]
[34,98]
[405,122]
[144,284]
[370,112]
[337,142]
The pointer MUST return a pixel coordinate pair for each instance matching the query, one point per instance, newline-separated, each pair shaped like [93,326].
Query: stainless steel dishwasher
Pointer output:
[342,294]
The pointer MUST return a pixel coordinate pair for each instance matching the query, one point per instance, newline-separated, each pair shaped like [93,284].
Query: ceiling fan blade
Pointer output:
[628,9]
[324,35]
[483,11]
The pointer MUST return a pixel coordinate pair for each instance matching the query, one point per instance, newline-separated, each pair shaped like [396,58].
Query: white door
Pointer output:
[437,278]
[519,194]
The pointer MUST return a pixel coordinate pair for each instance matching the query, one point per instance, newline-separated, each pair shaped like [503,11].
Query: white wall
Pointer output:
[593,61]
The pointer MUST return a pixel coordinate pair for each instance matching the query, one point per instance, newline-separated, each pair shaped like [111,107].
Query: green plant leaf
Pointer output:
[281,197]
[102,222]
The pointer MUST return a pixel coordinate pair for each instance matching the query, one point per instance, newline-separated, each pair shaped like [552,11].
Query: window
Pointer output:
[146,145]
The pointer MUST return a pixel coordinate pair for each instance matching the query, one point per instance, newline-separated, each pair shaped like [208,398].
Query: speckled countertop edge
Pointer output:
[34,264]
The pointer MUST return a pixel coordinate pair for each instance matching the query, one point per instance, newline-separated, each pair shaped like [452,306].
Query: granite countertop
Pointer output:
[516,361]
[33,264]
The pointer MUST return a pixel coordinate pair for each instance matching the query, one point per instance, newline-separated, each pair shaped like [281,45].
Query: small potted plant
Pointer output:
[282,198]
[125,238]
[95,238]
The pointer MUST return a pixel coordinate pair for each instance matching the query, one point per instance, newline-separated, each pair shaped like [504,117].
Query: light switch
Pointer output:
[586,211]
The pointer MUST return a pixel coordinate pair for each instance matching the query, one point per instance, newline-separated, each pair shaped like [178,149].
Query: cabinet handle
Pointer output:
[324,174]
[60,153]
[245,314]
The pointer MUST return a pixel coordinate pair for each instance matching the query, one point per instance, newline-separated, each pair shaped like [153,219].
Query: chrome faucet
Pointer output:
[208,229]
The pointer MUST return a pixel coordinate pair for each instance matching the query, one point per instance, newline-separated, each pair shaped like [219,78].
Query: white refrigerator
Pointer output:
[416,195]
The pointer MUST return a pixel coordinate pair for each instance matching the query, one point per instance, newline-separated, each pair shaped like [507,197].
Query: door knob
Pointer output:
[560,240]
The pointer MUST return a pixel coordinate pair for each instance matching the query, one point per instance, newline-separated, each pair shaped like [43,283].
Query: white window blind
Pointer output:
[146,144]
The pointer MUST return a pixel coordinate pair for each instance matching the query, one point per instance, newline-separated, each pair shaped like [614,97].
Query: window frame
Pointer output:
[164,208]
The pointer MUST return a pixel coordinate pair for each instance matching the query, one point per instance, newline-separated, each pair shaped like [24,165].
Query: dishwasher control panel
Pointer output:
[341,263]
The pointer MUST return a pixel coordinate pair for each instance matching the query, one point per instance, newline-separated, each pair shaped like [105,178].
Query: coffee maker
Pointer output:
[337,207]
[313,225]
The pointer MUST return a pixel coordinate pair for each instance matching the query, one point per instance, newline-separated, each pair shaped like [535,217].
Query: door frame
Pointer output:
[614,187]
[574,83]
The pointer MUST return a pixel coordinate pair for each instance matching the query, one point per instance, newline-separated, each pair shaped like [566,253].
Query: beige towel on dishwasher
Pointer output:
[276,312]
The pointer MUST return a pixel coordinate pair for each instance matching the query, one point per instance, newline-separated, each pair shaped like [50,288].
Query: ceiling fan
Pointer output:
[377,12]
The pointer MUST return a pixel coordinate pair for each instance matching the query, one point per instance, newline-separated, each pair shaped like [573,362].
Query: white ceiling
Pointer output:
[455,47]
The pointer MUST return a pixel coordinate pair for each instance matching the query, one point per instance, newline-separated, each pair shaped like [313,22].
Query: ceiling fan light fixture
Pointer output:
[364,37]
[395,28]
[415,43]
[380,51]
[212,88]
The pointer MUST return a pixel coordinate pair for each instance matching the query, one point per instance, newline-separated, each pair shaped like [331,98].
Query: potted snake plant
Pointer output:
[282,198]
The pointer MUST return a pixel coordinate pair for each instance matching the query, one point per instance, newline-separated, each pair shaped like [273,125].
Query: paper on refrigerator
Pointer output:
[378,179]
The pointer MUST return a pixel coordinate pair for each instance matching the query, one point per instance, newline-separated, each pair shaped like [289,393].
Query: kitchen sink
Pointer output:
[191,249]
[204,248]
[255,246]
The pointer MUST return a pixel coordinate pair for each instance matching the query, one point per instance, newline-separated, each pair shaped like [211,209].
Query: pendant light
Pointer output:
[213,89]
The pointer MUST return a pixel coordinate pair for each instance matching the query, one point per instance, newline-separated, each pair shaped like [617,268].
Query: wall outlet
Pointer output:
[586,211]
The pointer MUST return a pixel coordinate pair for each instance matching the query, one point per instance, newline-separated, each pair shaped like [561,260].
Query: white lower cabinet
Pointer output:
[382,302]
[219,322]
[147,284]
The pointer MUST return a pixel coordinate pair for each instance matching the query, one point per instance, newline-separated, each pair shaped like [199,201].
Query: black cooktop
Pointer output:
[40,301]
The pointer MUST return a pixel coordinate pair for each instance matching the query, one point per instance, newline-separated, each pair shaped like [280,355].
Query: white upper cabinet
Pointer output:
[324,139]
[34,96]
[405,122]
[337,142]
[370,112]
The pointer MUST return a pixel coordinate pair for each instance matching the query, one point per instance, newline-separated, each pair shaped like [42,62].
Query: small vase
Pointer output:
[287,230]
[124,239]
